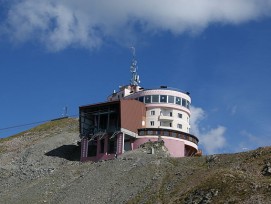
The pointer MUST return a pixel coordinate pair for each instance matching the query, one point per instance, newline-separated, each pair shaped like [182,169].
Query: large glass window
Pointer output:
[170,99]
[147,99]
[183,102]
[188,105]
[178,101]
[155,98]
[163,98]
[141,99]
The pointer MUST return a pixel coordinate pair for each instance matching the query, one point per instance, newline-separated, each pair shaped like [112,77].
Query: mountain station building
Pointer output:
[133,116]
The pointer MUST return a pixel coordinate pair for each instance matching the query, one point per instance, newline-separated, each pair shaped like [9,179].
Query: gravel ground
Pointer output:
[42,166]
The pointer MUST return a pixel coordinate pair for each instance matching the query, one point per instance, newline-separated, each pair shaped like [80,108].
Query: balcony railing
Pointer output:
[168,133]
[165,117]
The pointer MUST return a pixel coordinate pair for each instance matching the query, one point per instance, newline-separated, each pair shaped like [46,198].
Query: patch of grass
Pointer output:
[68,124]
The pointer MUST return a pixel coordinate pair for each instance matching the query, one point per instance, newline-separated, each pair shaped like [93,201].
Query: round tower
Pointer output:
[167,115]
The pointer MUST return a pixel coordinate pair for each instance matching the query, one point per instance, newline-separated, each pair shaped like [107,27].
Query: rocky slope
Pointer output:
[42,166]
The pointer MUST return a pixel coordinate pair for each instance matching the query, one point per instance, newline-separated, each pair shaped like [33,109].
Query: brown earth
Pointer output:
[42,166]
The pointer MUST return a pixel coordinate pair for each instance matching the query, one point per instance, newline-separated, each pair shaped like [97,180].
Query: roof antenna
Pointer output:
[65,113]
[133,69]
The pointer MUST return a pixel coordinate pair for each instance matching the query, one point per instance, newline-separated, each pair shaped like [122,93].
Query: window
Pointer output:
[170,124]
[171,99]
[155,98]
[188,105]
[141,99]
[147,99]
[141,132]
[152,123]
[178,101]
[163,98]
[183,102]
[179,126]
[170,114]
[180,115]
[152,112]
[166,133]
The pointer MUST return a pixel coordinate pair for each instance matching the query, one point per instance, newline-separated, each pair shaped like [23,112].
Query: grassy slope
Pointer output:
[46,129]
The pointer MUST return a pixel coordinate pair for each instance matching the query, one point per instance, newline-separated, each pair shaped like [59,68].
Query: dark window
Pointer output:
[178,101]
[180,115]
[166,133]
[141,99]
[147,99]
[142,132]
[163,98]
[155,98]
[183,102]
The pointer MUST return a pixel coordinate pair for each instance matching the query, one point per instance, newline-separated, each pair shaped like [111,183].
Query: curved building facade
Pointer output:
[133,116]
[167,118]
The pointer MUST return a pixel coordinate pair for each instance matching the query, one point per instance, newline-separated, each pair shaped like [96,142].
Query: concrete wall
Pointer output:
[174,146]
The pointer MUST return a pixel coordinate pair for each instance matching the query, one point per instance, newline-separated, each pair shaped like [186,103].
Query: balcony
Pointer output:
[165,118]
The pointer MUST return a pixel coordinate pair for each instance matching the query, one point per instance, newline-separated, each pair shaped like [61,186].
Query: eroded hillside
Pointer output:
[42,166]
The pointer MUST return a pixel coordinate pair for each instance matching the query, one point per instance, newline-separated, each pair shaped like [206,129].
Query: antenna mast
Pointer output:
[133,69]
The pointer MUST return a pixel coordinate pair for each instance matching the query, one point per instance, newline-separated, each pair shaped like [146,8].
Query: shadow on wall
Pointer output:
[69,152]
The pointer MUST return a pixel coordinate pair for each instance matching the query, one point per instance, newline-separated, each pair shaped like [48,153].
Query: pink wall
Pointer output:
[175,147]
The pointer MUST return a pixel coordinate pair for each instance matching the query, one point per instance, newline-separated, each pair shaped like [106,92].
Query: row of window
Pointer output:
[170,124]
[168,133]
[164,99]
[170,114]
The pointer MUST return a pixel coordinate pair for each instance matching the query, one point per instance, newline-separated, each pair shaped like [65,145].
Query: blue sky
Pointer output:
[70,53]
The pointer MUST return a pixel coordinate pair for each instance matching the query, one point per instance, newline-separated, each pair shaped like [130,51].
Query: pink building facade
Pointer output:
[133,116]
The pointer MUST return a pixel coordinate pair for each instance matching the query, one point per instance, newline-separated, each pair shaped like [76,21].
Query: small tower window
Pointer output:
[147,99]
[152,123]
[180,115]
[171,99]
[155,98]
[178,101]
[179,126]
[152,112]
[163,98]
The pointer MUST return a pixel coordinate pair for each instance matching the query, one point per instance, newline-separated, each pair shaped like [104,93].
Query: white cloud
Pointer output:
[88,23]
[212,139]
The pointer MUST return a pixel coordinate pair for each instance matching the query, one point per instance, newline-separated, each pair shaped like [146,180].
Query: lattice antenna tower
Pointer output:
[133,69]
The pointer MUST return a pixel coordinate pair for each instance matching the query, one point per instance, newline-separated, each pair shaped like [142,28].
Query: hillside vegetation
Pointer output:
[42,166]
